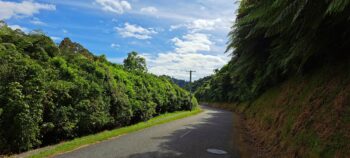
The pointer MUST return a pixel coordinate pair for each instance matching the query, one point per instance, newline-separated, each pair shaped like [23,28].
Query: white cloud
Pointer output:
[113,45]
[175,64]
[149,10]
[15,27]
[26,8]
[174,27]
[64,31]
[56,39]
[37,21]
[135,31]
[192,43]
[200,25]
[115,6]
[187,56]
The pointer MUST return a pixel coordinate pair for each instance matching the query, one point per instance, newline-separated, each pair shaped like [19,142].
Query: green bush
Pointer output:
[50,93]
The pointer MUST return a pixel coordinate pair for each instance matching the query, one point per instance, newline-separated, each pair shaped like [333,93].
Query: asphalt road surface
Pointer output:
[190,137]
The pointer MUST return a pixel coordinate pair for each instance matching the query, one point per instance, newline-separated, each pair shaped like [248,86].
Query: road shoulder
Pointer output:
[105,135]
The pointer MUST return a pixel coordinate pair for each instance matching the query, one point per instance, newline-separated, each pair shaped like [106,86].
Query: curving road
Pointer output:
[189,138]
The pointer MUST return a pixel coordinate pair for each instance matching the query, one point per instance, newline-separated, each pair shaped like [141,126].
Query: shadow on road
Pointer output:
[214,131]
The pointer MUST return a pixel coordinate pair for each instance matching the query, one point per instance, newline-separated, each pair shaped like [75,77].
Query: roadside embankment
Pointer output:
[306,116]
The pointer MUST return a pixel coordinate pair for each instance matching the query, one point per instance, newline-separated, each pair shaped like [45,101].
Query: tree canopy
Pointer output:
[134,62]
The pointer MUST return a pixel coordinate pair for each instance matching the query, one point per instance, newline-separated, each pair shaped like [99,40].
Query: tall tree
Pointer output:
[134,62]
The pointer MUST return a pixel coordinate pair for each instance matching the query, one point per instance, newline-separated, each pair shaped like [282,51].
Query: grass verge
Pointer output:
[91,139]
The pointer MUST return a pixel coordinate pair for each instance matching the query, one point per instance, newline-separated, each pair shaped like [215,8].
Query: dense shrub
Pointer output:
[50,93]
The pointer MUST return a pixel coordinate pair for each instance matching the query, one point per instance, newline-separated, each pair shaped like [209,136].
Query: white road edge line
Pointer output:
[185,134]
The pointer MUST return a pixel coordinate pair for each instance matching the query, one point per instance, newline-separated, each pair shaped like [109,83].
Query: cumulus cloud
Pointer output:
[114,6]
[130,30]
[175,64]
[187,56]
[192,43]
[200,25]
[149,10]
[26,8]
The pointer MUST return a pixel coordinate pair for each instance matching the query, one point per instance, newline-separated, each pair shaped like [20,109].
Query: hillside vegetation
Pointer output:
[290,75]
[50,93]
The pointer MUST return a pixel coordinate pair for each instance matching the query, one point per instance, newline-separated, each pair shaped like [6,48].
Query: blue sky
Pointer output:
[173,36]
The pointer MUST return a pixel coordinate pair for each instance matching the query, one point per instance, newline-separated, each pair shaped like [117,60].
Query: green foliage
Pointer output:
[21,118]
[51,93]
[106,135]
[134,62]
[273,40]
[290,69]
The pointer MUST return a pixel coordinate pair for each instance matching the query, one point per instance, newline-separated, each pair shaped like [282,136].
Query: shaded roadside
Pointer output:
[244,139]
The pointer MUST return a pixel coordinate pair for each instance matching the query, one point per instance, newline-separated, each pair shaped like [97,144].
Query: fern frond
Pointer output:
[337,6]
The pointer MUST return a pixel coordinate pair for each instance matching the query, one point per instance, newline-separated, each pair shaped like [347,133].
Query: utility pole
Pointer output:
[191,71]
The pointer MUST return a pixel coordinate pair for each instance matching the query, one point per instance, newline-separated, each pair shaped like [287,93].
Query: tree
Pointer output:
[134,62]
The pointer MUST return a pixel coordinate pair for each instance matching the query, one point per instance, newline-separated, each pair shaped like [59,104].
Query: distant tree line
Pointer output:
[186,84]
[50,93]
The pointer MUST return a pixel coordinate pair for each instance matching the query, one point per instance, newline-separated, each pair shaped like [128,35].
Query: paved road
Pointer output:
[188,138]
